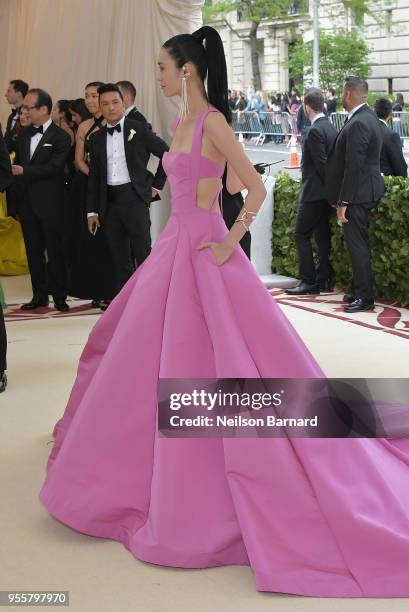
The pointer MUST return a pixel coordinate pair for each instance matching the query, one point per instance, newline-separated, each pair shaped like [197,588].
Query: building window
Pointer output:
[390,86]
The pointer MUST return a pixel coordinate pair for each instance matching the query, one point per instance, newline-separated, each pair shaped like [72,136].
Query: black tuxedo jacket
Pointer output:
[42,184]
[137,116]
[137,152]
[5,165]
[8,134]
[317,144]
[392,160]
[353,169]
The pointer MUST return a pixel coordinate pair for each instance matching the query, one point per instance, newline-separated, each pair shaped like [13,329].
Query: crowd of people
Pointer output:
[289,104]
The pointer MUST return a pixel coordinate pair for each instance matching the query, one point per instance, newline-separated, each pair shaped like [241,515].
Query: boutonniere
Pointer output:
[131,135]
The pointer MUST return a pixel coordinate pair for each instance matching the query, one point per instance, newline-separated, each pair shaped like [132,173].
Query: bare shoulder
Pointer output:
[84,126]
[214,122]
[217,129]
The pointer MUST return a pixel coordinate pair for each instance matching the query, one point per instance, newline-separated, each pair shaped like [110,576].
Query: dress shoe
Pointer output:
[360,305]
[96,303]
[61,305]
[3,381]
[304,289]
[349,298]
[326,286]
[35,303]
[104,305]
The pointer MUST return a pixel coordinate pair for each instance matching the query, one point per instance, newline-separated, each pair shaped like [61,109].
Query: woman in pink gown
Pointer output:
[317,517]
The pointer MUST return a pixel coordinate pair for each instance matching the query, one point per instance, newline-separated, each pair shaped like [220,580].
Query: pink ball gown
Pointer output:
[317,517]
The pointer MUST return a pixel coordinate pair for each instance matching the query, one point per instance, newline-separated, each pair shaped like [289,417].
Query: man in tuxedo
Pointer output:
[313,209]
[5,179]
[42,150]
[128,92]
[120,188]
[355,185]
[15,94]
[392,161]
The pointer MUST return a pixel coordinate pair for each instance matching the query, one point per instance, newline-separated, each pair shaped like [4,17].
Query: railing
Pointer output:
[278,126]
[263,124]
[399,123]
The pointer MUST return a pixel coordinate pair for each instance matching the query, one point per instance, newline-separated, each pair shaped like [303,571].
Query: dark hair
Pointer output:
[354,83]
[78,106]
[128,87]
[315,100]
[64,108]
[209,60]
[20,86]
[109,87]
[94,84]
[43,98]
[331,91]
[383,108]
[399,99]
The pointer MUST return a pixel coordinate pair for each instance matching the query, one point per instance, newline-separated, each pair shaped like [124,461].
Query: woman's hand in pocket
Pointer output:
[221,251]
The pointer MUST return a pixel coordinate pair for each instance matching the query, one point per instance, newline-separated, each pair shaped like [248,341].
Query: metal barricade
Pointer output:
[400,123]
[263,124]
[338,120]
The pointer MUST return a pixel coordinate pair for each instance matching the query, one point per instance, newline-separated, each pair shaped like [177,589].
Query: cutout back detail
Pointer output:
[203,169]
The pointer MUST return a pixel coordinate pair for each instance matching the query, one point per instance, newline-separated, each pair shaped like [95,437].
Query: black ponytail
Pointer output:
[209,60]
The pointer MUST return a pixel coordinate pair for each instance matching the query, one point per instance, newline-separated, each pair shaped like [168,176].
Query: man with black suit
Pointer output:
[314,210]
[15,94]
[120,188]
[128,92]
[392,161]
[42,150]
[355,185]
[5,179]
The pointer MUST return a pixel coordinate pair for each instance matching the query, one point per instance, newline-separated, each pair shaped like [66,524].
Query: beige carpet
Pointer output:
[37,552]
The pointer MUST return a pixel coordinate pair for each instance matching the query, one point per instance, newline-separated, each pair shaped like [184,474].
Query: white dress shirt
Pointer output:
[117,169]
[317,117]
[353,111]
[37,137]
[13,121]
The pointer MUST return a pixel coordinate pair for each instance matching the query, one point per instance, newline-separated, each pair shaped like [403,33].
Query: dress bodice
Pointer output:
[184,170]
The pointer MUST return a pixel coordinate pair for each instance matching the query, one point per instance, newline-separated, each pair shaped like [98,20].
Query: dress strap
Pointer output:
[198,132]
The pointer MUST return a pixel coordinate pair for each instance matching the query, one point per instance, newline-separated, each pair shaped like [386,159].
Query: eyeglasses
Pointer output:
[29,108]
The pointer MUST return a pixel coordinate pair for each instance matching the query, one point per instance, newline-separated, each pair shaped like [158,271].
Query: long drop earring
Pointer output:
[184,105]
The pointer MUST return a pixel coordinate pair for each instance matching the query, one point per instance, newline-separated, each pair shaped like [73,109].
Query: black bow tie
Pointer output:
[14,111]
[116,127]
[35,130]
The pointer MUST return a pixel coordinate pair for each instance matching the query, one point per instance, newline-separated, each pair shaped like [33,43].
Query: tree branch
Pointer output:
[234,30]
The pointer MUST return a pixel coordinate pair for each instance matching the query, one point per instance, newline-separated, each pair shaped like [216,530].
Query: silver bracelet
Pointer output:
[244,215]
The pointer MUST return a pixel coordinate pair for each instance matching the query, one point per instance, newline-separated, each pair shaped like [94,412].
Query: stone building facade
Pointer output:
[389,42]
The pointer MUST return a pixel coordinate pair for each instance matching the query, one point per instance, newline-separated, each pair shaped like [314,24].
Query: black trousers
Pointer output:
[127,229]
[3,342]
[357,242]
[313,221]
[40,233]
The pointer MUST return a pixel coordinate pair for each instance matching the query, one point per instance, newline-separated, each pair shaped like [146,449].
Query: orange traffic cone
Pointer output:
[294,161]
